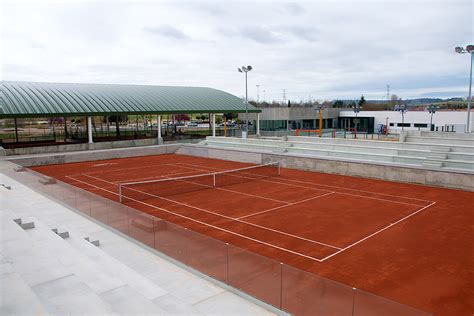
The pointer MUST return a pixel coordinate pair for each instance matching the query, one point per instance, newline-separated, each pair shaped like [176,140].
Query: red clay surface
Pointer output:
[409,243]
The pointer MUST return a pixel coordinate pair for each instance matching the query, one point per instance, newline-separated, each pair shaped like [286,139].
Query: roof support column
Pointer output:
[16,130]
[258,124]
[213,125]
[89,129]
[158,125]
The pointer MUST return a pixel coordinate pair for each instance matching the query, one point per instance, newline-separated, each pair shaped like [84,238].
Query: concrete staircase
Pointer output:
[428,155]
[437,157]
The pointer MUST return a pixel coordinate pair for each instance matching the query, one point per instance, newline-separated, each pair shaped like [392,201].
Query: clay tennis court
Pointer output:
[399,241]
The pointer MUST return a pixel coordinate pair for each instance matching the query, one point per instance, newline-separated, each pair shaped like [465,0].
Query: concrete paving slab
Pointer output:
[69,295]
[175,306]
[227,304]
[125,301]
[17,298]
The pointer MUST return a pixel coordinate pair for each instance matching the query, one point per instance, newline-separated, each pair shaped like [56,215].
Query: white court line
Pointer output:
[282,206]
[378,232]
[311,183]
[147,178]
[206,186]
[274,246]
[229,218]
[325,185]
[205,224]
[126,169]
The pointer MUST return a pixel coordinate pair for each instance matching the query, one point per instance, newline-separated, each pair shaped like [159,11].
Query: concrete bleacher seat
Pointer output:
[43,273]
[456,156]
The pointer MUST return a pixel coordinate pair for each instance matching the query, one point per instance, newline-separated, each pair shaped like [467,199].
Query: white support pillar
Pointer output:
[160,139]
[258,124]
[89,129]
[213,125]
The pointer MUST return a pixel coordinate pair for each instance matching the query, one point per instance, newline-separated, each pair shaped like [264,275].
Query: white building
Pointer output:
[452,121]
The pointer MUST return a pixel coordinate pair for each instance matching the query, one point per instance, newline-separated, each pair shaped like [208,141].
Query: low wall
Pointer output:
[81,147]
[88,155]
[366,169]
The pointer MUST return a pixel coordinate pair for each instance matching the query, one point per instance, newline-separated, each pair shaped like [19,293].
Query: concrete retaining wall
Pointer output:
[78,156]
[424,176]
[81,147]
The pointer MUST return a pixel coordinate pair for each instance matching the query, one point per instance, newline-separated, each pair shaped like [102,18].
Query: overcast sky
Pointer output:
[323,49]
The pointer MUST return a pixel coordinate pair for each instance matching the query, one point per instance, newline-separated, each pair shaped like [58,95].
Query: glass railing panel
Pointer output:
[171,240]
[207,255]
[305,293]
[255,275]
[141,227]
[366,304]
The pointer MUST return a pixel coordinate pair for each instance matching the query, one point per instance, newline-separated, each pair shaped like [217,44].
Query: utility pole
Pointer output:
[388,93]
[258,95]
[284,97]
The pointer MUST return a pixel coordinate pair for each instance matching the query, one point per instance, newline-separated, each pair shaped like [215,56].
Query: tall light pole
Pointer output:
[319,108]
[432,110]
[402,108]
[356,110]
[258,94]
[245,70]
[469,49]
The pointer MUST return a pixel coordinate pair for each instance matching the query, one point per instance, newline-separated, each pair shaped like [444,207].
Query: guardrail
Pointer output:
[285,287]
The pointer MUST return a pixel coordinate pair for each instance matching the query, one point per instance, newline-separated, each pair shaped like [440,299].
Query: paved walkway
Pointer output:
[41,273]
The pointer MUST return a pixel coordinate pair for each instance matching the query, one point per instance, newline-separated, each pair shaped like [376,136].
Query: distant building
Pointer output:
[297,117]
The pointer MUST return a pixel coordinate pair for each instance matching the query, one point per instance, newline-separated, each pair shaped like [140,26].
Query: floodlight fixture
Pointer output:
[246,70]
[469,49]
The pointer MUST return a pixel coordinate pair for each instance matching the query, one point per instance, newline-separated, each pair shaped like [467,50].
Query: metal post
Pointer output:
[89,129]
[225,126]
[470,97]
[65,129]
[214,179]
[320,122]
[213,125]
[158,123]
[258,124]
[16,130]
[403,121]
[120,192]
[246,107]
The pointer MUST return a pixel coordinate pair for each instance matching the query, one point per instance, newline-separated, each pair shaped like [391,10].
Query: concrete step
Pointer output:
[433,163]
[95,242]
[437,156]
[25,224]
[440,149]
[61,233]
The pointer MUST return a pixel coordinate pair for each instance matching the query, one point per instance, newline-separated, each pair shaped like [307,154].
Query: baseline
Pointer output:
[205,224]
[220,215]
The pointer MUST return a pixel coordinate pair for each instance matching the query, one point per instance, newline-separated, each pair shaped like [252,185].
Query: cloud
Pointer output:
[307,33]
[167,31]
[259,34]
[295,8]
[326,49]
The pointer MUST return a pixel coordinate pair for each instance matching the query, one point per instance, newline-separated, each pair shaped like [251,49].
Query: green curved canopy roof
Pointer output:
[41,99]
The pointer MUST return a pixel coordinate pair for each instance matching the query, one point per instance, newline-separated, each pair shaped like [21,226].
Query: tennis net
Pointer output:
[145,190]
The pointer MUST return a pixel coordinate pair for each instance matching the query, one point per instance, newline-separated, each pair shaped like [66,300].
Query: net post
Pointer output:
[120,192]
[214,179]
[279,169]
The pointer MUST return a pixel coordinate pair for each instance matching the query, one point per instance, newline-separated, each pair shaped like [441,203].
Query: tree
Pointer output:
[361,101]
[118,119]
[182,117]
[338,104]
